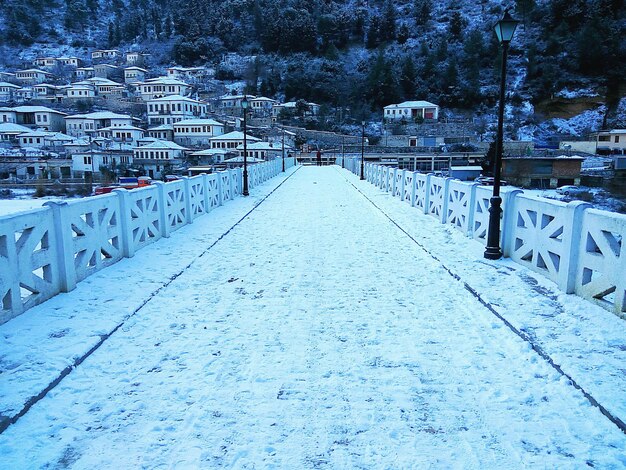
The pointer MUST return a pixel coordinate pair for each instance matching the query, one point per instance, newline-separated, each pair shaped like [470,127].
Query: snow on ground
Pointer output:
[11,206]
[315,334]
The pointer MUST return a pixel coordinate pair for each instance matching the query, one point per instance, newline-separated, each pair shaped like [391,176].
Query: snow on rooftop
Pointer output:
[234,135]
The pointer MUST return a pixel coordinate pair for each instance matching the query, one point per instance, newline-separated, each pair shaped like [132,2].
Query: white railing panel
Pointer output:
[601,263]
[96,232]
[144,212]
[197,197]
[29,261]
[460,203]
[437,196]
[175,205]
[407,188]
[422,191]
[226,192]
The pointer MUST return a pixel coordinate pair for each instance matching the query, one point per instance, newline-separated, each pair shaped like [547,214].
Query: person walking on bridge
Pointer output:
[319,157]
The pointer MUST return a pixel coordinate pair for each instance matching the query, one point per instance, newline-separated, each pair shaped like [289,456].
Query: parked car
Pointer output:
[488,181]
[570,190]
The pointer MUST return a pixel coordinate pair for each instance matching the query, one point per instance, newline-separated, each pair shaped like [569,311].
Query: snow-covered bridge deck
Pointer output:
[312,325]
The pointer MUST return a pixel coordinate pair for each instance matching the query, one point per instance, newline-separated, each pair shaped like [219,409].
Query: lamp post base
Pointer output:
[245,191]
[493,251]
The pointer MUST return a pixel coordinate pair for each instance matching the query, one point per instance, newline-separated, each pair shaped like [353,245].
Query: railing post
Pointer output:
[567,275]
[187,191]
[65,244]
[128,247]
[471,210]
[414,189]
[427,193]
[162,201]
[508,220]
[444,202]
[231,180]
[402,185]
[220,189]
[205,192]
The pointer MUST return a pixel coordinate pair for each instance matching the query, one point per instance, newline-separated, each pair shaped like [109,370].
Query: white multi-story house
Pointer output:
[80,91]
[154,157]
[231,104]
[613,141]
[106,70]
[46,62]
[80,125]
[70,61]
[162,132]
[32,76]
[126,134]
[175,108]
[231,141]
[411,110]
[162,86]
[134,75]
[105,54]
[83,73]
[264,150]
[189,73]
[7,91]
[196,132]
[91,159]
[262,106]
[103,86]
[8,115]
[45,91]
[291,107]
[40,117]
[136,58]
[10,131]
[40,139]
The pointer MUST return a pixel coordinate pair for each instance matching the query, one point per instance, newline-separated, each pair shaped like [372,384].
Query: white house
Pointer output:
[40,139]
[105,54]
[7,91]
[264,150]
[127,134]
[196,132]
[613,141]
[80,91]
[79,125]
[90,160]
[134,75]
[46,62]
[70,61]
[174,108]
[40,117]
[32,76]
[136,58]
[10,131]
[291,107]
[188,73]
[162,86]
[83,73]
[155,156]
[232,140]
[103,86]
[106,70]
[8,115]
[162,132]
[231,104]
[262,106]
[411,110]
[45,91]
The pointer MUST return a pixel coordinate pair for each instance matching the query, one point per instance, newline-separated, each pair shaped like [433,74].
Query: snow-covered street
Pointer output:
[315,334]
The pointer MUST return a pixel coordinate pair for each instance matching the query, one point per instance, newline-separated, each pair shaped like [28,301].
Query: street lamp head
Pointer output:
[363,123]
[505,28]
[244,103]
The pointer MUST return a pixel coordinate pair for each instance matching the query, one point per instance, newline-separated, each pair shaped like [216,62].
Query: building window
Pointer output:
[616,139]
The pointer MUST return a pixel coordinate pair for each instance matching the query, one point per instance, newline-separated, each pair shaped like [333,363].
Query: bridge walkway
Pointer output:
[317,325]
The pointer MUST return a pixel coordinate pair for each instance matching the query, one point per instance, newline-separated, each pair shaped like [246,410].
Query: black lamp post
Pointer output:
[362,150]
[505,28]
[343,154]
[283,147]
[244,106]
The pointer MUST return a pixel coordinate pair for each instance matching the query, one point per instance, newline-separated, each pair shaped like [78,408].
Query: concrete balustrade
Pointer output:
[581,249]
[49,250]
